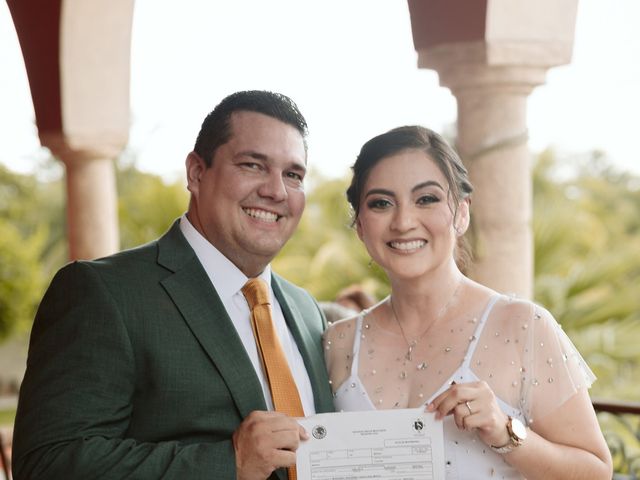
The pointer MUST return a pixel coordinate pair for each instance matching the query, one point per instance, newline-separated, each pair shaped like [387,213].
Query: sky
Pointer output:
[350,66]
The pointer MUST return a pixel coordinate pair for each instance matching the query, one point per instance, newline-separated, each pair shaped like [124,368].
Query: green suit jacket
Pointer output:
[136,371]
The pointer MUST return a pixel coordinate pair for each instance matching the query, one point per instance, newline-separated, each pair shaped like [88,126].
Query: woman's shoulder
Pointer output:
[347,326]
[513,310]
[341,325]
[342,330]
[338,343]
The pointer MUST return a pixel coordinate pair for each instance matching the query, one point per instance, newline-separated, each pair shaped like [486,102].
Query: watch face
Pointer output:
[518,429]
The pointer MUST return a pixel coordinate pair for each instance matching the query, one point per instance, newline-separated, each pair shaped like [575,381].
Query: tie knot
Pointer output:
[256,292]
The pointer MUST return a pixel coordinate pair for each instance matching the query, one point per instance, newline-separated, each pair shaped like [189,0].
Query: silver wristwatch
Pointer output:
[517,435]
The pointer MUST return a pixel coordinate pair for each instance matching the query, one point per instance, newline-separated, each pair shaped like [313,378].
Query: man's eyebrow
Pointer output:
[298,167]
[252,154]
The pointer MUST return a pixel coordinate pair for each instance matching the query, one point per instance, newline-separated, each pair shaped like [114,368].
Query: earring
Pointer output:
[458,230]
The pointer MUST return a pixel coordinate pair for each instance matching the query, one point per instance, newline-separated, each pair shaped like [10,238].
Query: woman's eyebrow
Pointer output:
[428,183]
[384,191]
[380,191]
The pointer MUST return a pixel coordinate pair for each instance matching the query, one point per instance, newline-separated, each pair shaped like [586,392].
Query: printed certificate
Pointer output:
[402,444]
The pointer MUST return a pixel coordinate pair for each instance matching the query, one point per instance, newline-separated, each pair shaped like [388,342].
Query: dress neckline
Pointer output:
[458,372]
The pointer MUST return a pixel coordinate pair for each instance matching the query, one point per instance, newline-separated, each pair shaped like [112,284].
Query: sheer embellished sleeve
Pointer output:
[528,360]
[554,369]
[338,349]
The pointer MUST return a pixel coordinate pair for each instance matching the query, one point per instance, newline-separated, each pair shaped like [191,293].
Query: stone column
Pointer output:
[77,55]
[92,216]
[492,141]
[92,199]
[95,40]
[491,66]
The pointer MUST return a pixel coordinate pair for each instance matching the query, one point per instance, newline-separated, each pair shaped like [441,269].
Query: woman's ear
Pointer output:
[195,167]
[462,217]
[359,229]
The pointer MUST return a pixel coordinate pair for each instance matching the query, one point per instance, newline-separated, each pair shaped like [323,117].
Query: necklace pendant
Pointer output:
[408,355]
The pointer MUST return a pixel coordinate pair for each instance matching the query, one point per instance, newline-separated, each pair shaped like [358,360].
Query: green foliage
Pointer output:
[587,268]
[586,227]
[622,433]
[146,205]
[585,224]
[7,417]
[33,242]
[21,278]
[31,222]
[325,254]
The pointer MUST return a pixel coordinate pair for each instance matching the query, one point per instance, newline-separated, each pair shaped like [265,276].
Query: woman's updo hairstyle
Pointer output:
[408,138]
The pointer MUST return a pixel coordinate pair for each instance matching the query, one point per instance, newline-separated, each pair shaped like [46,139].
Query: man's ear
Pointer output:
[195,168]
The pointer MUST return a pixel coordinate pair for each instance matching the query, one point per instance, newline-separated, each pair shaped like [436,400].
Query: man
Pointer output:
[144,364]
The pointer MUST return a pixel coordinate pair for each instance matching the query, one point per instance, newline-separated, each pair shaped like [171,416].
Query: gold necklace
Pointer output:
[411,344]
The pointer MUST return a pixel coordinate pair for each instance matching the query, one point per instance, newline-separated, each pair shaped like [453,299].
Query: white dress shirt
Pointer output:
[228,281]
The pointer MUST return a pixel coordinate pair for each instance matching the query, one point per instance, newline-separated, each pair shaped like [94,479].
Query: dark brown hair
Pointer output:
[409,138]
[216,127]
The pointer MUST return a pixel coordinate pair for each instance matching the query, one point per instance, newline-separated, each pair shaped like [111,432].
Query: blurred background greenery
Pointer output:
[586,229]
[587,263]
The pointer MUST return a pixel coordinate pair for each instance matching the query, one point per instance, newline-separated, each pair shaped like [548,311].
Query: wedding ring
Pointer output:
[469,407]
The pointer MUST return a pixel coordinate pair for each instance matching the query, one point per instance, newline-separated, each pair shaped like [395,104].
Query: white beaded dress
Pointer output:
[515,346]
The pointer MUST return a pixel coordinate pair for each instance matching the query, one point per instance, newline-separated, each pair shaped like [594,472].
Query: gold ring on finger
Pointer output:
[469,408]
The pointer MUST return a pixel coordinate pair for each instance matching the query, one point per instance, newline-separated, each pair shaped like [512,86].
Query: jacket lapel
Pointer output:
[310,347]
[198,302]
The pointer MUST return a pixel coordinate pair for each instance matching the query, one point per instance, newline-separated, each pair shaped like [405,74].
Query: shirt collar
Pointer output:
[226,278]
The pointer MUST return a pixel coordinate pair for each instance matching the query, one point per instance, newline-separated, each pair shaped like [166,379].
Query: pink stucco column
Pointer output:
[491,66]
[77,55]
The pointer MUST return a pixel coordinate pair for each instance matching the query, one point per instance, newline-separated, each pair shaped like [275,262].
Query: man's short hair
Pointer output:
[216,127]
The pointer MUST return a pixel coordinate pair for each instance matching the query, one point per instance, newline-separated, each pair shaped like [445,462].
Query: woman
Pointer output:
[499,371]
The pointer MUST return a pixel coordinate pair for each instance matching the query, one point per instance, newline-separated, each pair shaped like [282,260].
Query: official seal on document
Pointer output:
[319,432]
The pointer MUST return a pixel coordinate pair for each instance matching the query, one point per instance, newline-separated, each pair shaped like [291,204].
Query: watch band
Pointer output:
[504,448]
[515,439]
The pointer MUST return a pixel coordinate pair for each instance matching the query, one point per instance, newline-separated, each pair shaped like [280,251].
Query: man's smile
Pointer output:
[263,215]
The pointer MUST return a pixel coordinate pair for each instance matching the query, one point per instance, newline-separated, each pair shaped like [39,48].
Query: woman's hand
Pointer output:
[474,407]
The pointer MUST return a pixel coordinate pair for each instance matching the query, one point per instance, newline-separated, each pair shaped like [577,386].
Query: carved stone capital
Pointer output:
[478,65]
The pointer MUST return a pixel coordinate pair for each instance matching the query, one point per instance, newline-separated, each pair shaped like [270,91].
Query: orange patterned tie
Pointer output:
[283,388]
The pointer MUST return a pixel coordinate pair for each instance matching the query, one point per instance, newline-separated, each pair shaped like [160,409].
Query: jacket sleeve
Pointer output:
[75,403]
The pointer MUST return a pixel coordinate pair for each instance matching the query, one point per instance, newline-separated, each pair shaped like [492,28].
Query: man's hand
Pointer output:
[265,441]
